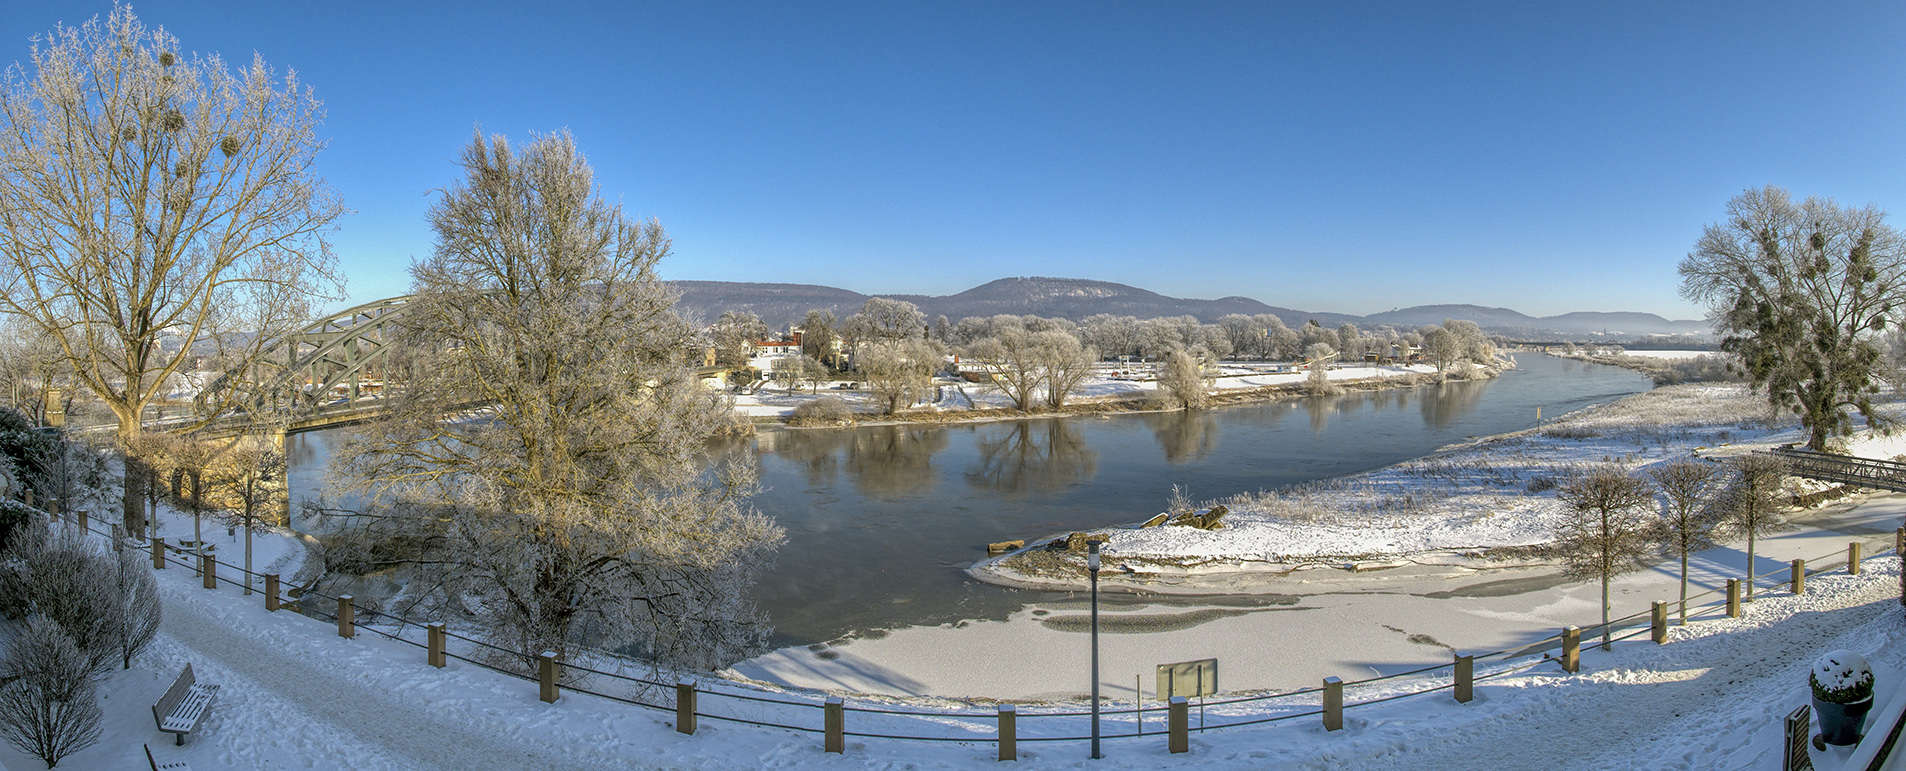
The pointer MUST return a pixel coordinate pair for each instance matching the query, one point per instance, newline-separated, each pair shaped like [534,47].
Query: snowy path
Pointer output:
[376,717]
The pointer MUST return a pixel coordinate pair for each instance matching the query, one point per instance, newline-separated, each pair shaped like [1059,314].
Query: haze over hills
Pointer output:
[783,304]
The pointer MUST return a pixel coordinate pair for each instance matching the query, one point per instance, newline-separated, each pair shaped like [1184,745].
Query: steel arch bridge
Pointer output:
[328,373]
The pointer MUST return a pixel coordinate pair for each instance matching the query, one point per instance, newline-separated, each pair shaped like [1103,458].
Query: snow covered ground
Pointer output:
[294,695]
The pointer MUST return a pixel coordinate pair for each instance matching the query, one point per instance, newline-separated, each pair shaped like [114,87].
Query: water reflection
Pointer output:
[1184,435]
[1446,402]
[1041,455]
[894,462]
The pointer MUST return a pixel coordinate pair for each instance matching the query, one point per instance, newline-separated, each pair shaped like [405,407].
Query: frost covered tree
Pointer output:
[1441,346]
[734,334]
[1067,363]
[882,319]
[1033,366]
[1182,379]
[1752,500]
[899,372]
[1688,519]
[1009,356]
[49,705]
[574,508]
[64,577]
[1317,382]
[1606,532]
[1799,291]
[150,197]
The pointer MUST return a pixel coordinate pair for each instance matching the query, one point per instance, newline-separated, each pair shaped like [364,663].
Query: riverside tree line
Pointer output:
[1038,362]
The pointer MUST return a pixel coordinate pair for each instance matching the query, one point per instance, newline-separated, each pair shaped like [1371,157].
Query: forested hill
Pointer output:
[783,304]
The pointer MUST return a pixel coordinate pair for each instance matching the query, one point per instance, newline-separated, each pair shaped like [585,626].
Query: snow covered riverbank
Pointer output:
[1109,389]
[1488,503]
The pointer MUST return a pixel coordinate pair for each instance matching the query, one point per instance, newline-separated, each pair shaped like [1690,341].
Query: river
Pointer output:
[881,520]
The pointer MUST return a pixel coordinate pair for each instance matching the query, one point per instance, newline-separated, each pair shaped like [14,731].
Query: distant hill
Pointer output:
[783,304]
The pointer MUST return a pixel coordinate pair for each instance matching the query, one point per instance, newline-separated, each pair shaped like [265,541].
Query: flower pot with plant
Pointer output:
[1842,695]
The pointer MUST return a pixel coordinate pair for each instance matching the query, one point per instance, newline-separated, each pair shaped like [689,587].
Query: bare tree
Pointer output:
[899,372]
[1009,357]
[1441,346]
[817,334]
[813,371]
[1752,500]
[33,368]
[49,707]
[247,481]
[1607,530]
[1797,291]
[153,200]
[735,334]
[1688,518]
[138,597]
[1065,363]
[1182,379]
[787,371]
[1027,365]
[577,509]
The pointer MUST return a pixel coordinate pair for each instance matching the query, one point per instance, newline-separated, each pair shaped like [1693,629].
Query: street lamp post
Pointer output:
[1092,564]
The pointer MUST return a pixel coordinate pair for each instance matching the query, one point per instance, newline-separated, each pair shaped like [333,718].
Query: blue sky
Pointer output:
[1319,156]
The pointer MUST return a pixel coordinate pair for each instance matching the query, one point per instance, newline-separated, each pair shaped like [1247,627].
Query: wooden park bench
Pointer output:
[176,765]
[183,706]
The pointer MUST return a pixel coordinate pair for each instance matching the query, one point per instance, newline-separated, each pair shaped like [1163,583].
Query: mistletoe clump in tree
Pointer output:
[1800,291]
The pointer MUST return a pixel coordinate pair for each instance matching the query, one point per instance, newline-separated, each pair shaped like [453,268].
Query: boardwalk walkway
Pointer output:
[1865,472]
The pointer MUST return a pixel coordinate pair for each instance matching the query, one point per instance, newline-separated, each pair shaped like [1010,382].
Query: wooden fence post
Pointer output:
[1571,649]
[435,639]
[834,723]
[1658,616]
[1333,703]
[685,706]
[546,677]
[271,592]
[29,498]
[1008,732]
[158,555]
[1853,558]
[1799,579]
[347,617]
[208,567]
[82,520]
[1465,678]
[1178,725]
[1733,598]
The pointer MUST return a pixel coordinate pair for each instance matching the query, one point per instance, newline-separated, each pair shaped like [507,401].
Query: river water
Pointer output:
[881,520]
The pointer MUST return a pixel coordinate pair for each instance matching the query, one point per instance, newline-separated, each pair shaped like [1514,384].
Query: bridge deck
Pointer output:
[1865,472]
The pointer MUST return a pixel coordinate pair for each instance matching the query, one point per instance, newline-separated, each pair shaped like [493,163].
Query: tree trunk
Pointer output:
[248,574]
[1684,587]
[133,496]
[1606,644]
[1749,594]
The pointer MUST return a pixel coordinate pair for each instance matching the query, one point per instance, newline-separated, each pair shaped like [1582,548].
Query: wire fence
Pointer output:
[595,673]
